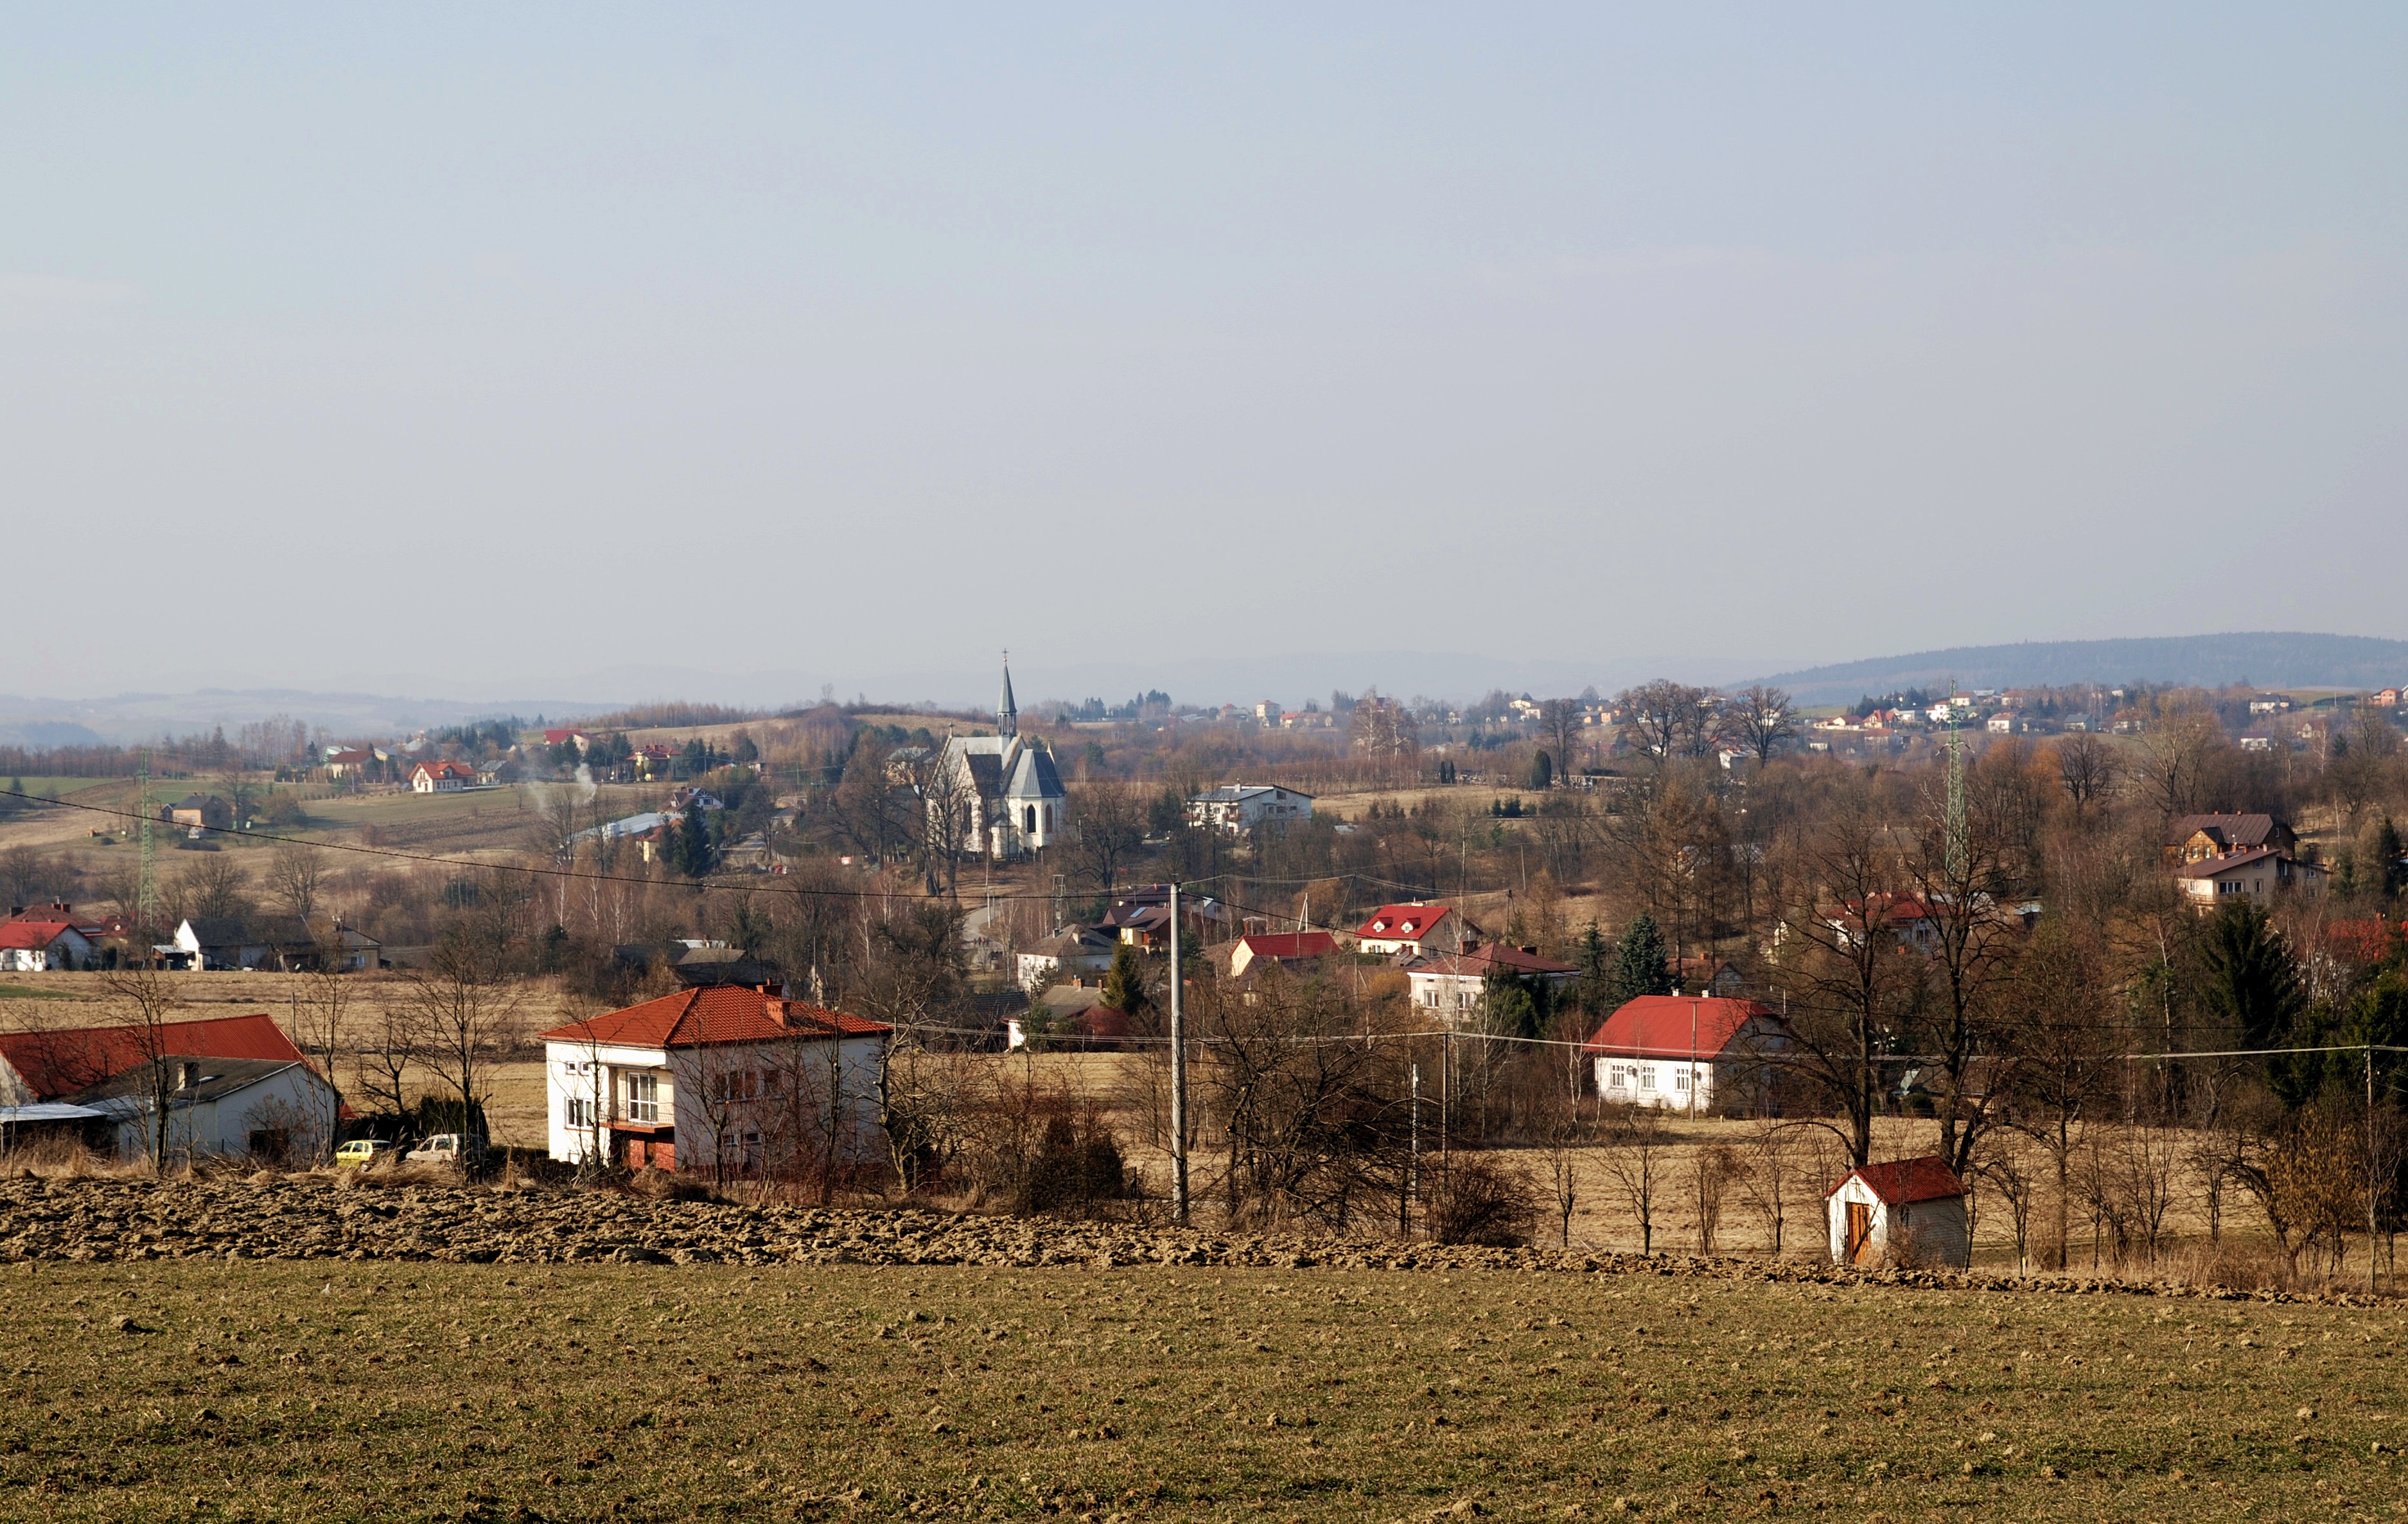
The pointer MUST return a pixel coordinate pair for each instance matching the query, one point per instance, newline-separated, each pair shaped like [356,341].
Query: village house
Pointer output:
[441,777]
[724,1079]
[217,942]
[198,813]
[1415,930]
[1239,808]
[1073,950]
[39,941]
[1242,956]
[349,762]
[1694,1052]
[2259,872]
[2190,839]
[1908,1212]
[1008,789]
[236,1085]
[1452,986]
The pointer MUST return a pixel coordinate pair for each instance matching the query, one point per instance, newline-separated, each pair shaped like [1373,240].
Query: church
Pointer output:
[1009,788]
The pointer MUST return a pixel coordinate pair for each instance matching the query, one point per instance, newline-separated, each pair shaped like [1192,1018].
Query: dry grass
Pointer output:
[337,1391]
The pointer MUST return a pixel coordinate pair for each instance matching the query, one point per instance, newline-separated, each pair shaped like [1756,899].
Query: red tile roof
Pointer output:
[444,770]
[1924,1179]
[2207,867]
[1402,923]
[1290,943]
[60,1062]
[40,934]
[1661,1027]
[713,1014]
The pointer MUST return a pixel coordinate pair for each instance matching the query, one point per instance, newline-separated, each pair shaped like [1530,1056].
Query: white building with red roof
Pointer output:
[35,943]
[1415,930]
[1451,985]
[443,777]
[725,1080]
[231,1085]
[1266,949]
[1690,1051]
[1907,1211]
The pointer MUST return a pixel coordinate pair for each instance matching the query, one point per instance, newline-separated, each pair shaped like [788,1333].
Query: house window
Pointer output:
[577,1114]
[1680,1079]
[1647,1077]
[1621,1076]
[644,1098]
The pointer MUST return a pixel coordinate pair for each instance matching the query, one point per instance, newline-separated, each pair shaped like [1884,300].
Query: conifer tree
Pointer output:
[1639,967]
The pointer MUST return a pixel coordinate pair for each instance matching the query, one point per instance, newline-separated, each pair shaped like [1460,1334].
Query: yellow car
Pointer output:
[360,1153]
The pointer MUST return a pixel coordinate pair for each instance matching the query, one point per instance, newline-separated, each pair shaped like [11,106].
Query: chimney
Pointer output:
[185,1075]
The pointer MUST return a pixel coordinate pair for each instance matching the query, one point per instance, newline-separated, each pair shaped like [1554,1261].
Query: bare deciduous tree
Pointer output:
[1765,719]
[1635,1158]
[294,875]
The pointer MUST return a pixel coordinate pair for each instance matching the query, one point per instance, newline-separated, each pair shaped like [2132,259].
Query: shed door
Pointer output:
[1860,1229]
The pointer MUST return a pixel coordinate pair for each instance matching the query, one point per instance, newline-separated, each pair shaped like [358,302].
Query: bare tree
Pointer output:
[383,1062]
[1765,1174]
[947,820]
[1567,1142]
[1711,1169]
[1109,829]
[154,997]
[2085,768]
[209,888]
[1665,720]
[295,874]
[1765,719]
[321,998]
[1559,726]
[1635,1160]
[463,1010]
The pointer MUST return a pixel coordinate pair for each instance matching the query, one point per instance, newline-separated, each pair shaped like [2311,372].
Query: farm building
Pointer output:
[1908,1212]
[724,1079]
[1695,1052]
[234,1085]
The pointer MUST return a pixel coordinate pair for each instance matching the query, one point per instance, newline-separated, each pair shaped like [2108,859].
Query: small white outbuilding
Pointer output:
[1907,1211]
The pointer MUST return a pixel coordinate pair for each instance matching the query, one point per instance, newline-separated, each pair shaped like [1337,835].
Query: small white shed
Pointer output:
[1907,1211]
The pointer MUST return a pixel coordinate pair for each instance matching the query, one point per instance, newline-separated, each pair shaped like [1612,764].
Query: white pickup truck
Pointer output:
[465,1149]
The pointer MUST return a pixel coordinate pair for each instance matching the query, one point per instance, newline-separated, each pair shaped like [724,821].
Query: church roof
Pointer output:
[1035,777]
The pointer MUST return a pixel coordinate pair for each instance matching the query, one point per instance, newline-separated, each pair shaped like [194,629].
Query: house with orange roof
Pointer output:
[1415,930]
[1905,1211]
[441,777]
[728,1080]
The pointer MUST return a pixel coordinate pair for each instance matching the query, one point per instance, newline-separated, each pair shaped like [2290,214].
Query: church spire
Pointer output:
[1007,713]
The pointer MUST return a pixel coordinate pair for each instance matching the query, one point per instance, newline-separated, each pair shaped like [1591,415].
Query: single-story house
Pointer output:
[722,1079]
[244,1076]
[1264,949]
[29,944]
[1237,807]
[1451,985]
[264,1108]
[219,942]
[1073,950]
[1696,1052]
[1415,931]
[199,812]
[1908,1212]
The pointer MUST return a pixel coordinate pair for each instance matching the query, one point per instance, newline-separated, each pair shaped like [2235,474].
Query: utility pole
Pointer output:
[2370,1167]
[1177,1076]
[143,892]
[1956,834]
[1412,1161]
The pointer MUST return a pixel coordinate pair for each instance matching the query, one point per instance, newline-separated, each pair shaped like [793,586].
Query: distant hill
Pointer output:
[2280,659]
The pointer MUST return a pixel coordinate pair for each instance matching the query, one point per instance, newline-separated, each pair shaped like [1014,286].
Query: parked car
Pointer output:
[364,1153]
[465,1149]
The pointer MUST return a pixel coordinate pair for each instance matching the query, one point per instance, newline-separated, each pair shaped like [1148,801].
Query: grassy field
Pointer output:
[332,1390]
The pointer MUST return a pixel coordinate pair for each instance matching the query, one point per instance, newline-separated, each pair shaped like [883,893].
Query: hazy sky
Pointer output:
[485,348]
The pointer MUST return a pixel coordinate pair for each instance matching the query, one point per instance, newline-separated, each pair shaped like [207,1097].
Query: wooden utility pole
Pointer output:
[1177,1076]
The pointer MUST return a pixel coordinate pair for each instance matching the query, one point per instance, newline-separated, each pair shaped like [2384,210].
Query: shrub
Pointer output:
[1482,1204]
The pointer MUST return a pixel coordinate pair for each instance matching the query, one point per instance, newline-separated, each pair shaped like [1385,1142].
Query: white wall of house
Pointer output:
[1909,1232]
[293,1101]
[1656,1082]
[719,1098]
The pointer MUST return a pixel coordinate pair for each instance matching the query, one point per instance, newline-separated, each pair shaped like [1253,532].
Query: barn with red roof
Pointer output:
[1905,1211]
[731,1080]
[1695,1052]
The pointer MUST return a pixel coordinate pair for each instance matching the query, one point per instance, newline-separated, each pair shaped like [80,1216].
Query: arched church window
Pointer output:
[1032,820]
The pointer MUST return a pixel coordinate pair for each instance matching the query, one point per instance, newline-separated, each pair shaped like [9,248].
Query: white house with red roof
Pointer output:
[724,1079]
[1416,929]
[1689,1051]
[1451,985]
[1907,1211]
[442,777]
[34,942]
[233,1085]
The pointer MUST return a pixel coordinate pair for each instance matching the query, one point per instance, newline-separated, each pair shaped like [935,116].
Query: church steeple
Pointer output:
[1007,713]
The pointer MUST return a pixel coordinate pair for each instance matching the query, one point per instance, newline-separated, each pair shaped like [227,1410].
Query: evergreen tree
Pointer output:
[1543,770]
[696,858]
[1640,966]
[1125,980]
[1513,1006]
[1593,988]
[2252,980]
